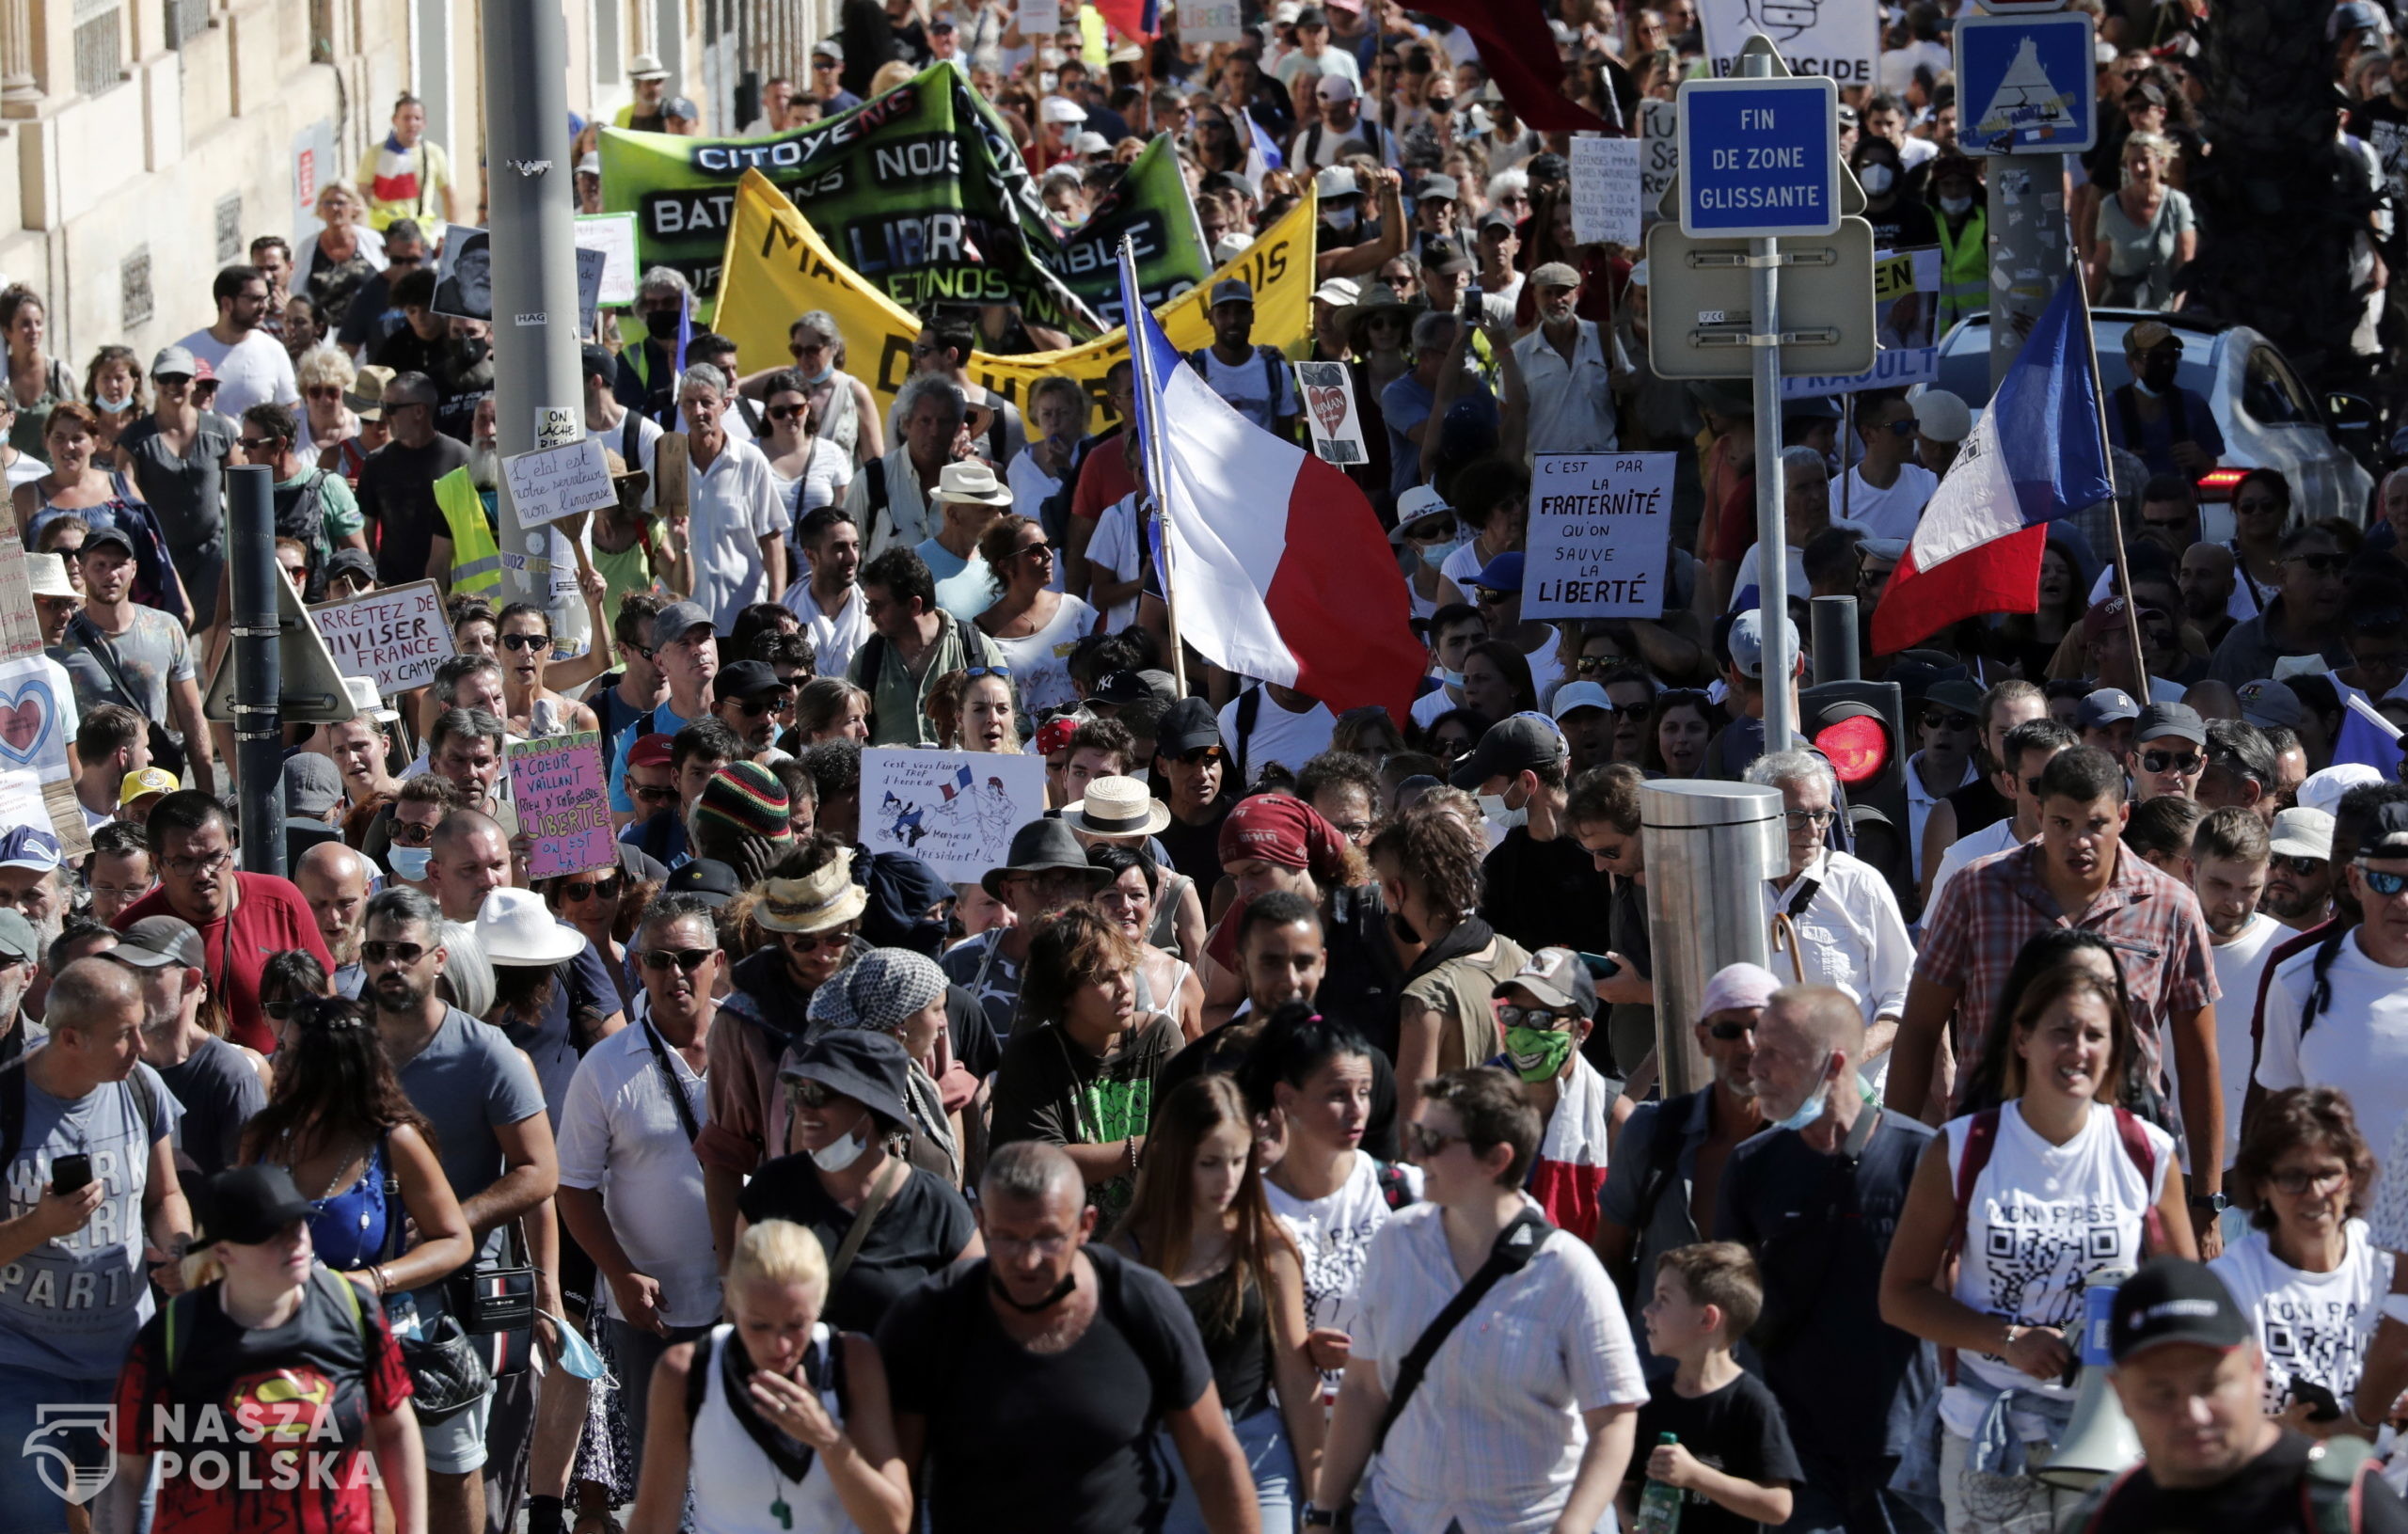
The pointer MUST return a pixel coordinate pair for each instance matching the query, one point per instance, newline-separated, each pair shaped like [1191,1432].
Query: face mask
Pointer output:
[577,1354]
[1875,179]
[1808,1111]
[815,379]
[844,1153]
[1442,105]
[1406,931]
[408,863]
[2157,377]
[1342,219]
[1452,679]
[116,407]
[661,324]
[1956,207]
[1493,810]
[1538,1053]
[1049,58]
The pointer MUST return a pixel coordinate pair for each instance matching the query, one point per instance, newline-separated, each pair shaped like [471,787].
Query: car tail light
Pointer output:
[1858,748]
[2217,483]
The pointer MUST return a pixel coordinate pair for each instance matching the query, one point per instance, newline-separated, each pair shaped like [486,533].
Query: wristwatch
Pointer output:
[2212,1203]
[1313,1517]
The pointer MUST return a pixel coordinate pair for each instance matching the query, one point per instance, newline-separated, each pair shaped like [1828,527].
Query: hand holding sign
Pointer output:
[552,482]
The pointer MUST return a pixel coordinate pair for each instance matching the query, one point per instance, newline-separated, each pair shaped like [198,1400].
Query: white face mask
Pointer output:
[1492,809]
[843,1153]
[1956,207]
[1340,219]
[1875,179]
[408,863]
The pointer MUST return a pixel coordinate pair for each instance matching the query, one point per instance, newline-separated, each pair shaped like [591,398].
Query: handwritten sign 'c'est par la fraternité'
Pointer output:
[1600,525]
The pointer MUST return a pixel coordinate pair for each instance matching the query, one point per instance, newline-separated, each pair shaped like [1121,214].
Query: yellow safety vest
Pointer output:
[476,559]
[1964,268]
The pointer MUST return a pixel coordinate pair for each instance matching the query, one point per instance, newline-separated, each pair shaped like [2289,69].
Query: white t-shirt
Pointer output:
[1432,703]
[25,470]
[1248,387]
[1040,662]
[1884,514]
[1113,548]
[2358,1043]
[1998,836]
[1279,736]
[735,505]
[254,370]
[1334,1237]
[619,1135]
[2041,1219]
[827,474]
[833,637]
[2238,965]
[2312,1326]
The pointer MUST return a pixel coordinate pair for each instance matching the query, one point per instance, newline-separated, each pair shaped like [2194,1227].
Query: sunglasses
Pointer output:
[1901,427]
[400,953]
[2184,764]
[1511,1016]
[1727,1032]
[1591,665]
[526,641]
[813,1094]
[326,392]
[407,834]
[786,412]
[1213,755]
[2296,1182]
[1425,1142]
[393,260]
[811,942]
[1631,711]
[259,444]
[650,796]
[687,959]
[1950,722]
[754,707]
[972,673]
[2384,884]
[1488,597]
[2302,867]
[2321,564]
[576,890]
[1043,551]
[1431,532]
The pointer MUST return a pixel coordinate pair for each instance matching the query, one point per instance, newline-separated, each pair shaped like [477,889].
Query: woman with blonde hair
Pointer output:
[974,710]
[2146,231]
[337,263]
[773,1400]
[325,375]
[830,708]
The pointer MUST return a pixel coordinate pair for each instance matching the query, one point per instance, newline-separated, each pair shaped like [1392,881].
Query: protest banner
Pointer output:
[1905,305]
[1835,38]
[1600,525]
[1660,153]
[1211,21]
[556,785]
[33,751]
[954,810]
[394,635]
[615,236]
[1329,407]
[20,625]
[922,193]
[778,266]
[1605,196]
[553,482]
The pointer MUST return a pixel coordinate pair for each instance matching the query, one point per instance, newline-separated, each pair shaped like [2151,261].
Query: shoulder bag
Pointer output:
[1516,1245]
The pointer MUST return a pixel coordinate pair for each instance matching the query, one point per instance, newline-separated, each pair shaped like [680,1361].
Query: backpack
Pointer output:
[175,1317]
[874,471]
[1275,368]
[301,515]
[698,1374]
[2332,1490]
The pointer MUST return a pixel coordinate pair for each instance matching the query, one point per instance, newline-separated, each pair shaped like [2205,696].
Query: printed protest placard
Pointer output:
[1906,300]
[555,784]
[465,287]
[1599,525]
[1329,404]
[1835,38]
[1606,192]
[1206,21]
[590,265]
[553,482]
[954,810]
[394,635]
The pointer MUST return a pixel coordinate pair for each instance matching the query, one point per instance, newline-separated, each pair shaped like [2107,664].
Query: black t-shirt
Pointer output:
[1196,850]
[918,1232]
[1907,226]
[1978,805]
[2263,1497]
[1738,1429]
[1545,895]
[1821,1232]
[397,493]
[1047,1442]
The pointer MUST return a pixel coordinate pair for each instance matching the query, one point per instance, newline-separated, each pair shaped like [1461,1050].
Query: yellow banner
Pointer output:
[777,269]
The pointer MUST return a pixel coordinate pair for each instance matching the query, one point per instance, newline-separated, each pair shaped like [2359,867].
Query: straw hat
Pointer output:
[823,898]
[1117,807]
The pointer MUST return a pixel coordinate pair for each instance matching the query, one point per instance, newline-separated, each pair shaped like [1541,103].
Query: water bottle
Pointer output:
[1659,1506]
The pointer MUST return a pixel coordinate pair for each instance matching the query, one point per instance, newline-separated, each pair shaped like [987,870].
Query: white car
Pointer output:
[2269,417]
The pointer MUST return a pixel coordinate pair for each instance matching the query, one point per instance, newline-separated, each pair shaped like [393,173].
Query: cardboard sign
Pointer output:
[1607,194]
[464,288]
[1206,21]
[1837,39]
[954,810]
[1660,153]
[1329,404]
[615,236]
[1599,527]
[394,635]
[589,291]
[553,482]
[20,625]
[556,784]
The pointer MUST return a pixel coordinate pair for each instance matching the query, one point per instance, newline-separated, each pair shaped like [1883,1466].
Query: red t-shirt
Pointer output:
[1104,479]
[269,917]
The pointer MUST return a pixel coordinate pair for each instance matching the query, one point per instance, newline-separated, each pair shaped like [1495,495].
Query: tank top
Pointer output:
[1240,1353]
[736,1488]
[349,1228]
[839,416]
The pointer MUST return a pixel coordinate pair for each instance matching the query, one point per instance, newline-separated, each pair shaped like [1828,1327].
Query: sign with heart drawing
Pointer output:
[1329,404]
[30,719]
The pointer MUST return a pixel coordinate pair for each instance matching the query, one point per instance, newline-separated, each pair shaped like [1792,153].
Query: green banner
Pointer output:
[922,194]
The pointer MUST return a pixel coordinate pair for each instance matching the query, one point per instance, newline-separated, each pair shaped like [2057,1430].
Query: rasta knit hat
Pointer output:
[750,797]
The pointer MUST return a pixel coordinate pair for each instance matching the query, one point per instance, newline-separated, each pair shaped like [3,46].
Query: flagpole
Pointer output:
[2116,516]
[1149,424]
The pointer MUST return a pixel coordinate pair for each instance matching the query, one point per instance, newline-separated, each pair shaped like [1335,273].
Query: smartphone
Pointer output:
[2321,1405]
[1600,966]
[68,1173]
[1472,300]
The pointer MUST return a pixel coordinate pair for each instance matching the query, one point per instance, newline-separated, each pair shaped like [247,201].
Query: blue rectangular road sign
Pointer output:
[1759,157]
[2025,85]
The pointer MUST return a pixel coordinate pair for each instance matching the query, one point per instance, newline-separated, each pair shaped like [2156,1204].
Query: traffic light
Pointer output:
[1859,727]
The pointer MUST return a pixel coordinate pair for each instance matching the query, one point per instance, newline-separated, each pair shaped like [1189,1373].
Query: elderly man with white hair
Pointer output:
[1839,910]
[736,535]
[1806,509]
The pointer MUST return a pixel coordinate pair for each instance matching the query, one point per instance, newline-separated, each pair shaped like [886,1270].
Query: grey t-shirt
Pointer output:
[187,494]
[150,654]
[579,985]
[220,1089]
[468,1081]
[70,1308]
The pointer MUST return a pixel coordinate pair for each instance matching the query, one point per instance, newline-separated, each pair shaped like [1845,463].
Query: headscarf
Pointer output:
[1733,987]
[876,993]
[901,891]
[1282,829]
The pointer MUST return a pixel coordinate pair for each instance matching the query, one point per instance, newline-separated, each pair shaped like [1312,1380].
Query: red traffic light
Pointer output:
[1858,748]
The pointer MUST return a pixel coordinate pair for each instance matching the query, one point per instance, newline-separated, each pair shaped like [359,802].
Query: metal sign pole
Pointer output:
[1772,540]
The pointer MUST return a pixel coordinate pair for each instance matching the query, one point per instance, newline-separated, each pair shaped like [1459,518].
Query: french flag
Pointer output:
[1277,565]
[2040,453]
[1262,155]
[960,784]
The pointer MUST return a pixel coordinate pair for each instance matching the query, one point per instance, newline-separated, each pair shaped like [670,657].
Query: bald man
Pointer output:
[966,1347]
[333,879]
[468,860]
[1853,1386]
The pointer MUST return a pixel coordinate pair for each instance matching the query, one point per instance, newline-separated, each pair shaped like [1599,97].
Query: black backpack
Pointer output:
[301,515]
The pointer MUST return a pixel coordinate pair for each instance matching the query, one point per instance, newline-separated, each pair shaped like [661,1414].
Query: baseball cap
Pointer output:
[1960,693]
[1501,574]
[2147,336]
[682,108]
[1231,289]
[247,1205]
[311,784]
[1555,274]
[1942,415]
[1090,142]
[1335,88]
[156,941]
[1441,188]
[1340,291]
[147,780]
[107,531]
[2268,704]
[2302,834]
[2388,839]
[673,621]
[1061,109]
[1512,745]
[744,679]
[1574,695]
[174,362]
[28,847]
[19,941]
[1747,641]
[1121,688]
[1495,219]
[2107,705]
[1336,182]
[713,880]
[651,750]
[352,562]
[1440,254]
[1186,725]
[828,48]
[2181,720]
[2175,1300]
[1557,977]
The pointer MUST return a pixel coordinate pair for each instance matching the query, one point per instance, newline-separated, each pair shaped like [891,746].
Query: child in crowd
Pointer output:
[1733,1457]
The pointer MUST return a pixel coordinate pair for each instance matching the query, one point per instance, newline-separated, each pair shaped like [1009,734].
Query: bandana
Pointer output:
[1283,830]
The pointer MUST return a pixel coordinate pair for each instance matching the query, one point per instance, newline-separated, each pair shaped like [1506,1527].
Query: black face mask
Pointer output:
[1061,1292]
[2157,368]
[661,324]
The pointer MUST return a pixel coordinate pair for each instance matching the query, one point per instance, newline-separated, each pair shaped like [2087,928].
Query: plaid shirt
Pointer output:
[1986,914]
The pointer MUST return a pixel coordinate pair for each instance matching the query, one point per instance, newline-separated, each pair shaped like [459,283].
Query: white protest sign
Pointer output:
[1605,196]
[394,635]
[1660,153]
[1906,300]
[1599,525]
[590,265]
[1835,38]
[614,235]
[1040,18]
[553,482]
[1329,404]
[1205,21]
[954,810]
